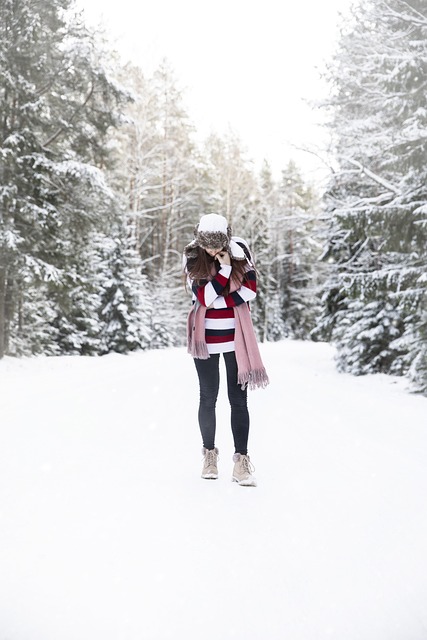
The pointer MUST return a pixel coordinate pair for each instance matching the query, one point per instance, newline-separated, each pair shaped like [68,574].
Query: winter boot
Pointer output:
[242,472]
[210,464]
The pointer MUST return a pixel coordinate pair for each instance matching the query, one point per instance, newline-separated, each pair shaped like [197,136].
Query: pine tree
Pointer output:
[377,198]
[126,309]
[267,312]
[58,101]
[298,231]
[286,229]
[418,369]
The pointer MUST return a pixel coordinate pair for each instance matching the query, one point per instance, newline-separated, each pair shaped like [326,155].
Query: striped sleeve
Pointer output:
[246,293]
[208,293]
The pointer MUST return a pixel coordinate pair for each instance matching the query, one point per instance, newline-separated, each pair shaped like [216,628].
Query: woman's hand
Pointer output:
[223,257]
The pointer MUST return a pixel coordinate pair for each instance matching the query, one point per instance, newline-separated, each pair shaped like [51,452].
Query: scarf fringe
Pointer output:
[255,379]
[198,349]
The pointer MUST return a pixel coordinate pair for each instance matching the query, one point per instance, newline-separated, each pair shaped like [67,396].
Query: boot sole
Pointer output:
[210,476]
[245,483]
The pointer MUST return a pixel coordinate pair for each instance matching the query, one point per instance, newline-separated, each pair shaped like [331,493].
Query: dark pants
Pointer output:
[208,371]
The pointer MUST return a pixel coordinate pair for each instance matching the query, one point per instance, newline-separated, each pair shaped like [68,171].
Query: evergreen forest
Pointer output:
[103,179]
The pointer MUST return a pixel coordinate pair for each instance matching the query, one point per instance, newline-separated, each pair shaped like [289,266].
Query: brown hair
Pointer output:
[200,269]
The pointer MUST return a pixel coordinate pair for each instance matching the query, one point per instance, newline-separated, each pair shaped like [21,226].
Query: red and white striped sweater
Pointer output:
[220,322]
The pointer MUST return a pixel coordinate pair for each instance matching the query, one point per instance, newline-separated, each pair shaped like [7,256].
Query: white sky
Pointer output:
[245,65]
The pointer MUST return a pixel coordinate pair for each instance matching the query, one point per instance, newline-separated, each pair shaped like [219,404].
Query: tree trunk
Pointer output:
[2,311]
[9,304]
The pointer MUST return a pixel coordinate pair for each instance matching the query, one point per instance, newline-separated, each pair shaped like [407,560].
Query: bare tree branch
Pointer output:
[374,176]
[416,17]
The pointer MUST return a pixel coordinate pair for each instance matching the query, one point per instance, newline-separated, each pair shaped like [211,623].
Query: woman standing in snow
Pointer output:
[223,282]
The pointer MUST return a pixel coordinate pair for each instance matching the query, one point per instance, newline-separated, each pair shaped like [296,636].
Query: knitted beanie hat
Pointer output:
[213,232]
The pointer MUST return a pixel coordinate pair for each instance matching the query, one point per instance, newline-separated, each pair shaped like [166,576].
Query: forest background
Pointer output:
[102,180]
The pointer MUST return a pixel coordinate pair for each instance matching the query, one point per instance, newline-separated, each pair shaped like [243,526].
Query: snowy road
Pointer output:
[107,531]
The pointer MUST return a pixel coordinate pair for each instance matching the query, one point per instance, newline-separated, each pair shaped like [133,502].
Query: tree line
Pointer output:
[102,182]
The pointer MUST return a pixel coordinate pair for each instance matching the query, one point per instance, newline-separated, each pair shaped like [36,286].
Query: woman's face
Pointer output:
[212,252]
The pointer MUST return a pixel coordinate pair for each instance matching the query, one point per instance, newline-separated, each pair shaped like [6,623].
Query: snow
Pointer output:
[43,269]
[84,171]
[108,532]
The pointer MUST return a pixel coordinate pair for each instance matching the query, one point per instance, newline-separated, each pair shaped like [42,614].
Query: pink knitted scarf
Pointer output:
[250,369]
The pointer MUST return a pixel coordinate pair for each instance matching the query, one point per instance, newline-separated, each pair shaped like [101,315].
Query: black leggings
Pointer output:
[208,371]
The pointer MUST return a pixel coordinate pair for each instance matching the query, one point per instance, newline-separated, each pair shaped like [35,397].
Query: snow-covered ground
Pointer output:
[107,531]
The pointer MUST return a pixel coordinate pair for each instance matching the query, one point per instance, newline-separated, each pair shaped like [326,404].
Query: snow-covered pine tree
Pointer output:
[418,369]
[35,309]
[126,309]
[267,312]
[377,198]
[297,230]
[58,101]
[285,226]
